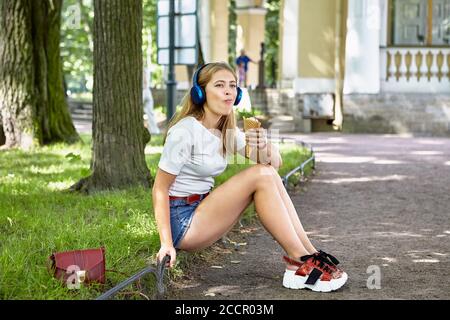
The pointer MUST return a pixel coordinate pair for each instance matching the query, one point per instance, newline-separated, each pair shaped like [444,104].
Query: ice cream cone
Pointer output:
[250,123]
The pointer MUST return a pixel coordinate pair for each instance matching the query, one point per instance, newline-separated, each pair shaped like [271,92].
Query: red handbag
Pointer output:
[82,266]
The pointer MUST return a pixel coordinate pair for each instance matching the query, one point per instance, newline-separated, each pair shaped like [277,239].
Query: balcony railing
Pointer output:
[424,70]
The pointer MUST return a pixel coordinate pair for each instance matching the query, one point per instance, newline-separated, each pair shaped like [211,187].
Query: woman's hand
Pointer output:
[256,138]
[170,251]
[257,141]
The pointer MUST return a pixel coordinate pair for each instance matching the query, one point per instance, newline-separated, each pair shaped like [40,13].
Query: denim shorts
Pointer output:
[181,214]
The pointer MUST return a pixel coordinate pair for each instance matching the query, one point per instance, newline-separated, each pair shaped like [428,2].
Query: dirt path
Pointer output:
[375,202]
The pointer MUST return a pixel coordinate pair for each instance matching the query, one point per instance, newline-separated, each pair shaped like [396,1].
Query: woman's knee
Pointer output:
[263,174]
[264,170]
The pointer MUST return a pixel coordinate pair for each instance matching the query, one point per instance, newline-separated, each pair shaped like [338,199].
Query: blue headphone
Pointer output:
[198,94]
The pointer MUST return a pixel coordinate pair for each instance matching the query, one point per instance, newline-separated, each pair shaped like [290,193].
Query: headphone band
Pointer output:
[197,73]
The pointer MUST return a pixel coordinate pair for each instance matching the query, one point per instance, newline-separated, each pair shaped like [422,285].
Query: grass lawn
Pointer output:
[38,217]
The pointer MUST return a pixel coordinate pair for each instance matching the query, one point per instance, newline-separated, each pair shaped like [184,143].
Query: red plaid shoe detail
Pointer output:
[292,262]
[313,273]
[332,263]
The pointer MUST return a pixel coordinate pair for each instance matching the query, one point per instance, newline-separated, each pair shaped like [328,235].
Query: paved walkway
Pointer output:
[376,202]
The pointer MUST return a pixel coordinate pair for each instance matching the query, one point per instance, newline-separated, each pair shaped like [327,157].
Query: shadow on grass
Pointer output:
[17,161]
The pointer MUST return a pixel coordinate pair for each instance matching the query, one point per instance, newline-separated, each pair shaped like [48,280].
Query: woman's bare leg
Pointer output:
[293,215]
[218,212]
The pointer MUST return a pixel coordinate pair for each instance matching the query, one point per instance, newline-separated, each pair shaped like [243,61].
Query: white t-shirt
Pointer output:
[192,153]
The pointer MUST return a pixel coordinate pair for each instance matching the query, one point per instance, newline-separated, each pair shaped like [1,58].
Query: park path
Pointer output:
[377,202]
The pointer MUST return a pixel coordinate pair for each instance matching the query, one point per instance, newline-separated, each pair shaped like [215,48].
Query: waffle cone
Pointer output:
[250,123]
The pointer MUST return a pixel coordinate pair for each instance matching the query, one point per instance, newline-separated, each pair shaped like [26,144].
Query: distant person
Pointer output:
[152,126]
[242,64]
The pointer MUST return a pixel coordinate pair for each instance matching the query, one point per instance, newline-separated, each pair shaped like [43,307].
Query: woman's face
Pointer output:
[221,93]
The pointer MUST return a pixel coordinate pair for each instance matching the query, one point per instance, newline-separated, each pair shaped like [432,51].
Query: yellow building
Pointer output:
[312,55]
[377,65]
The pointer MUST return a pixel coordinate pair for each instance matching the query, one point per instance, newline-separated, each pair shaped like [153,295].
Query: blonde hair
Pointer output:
[188,108]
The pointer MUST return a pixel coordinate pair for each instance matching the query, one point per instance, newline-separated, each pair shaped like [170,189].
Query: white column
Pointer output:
[445,68]
[290,36]
[434,65]
[362,57]
[403,66]
[392,66]
[383,22]
[204,27]
[424,67]
[413,68]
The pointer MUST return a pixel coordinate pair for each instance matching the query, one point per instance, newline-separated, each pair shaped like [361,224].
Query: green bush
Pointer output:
[241,114]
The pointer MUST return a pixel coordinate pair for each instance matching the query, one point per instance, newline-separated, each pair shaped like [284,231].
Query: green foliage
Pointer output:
[38,217]
[73,157]
[240,114]
[149,28]
[77,43]
[232,32]
[272,41]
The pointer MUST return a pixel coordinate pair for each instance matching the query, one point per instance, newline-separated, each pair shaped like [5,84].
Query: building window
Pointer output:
[420,22]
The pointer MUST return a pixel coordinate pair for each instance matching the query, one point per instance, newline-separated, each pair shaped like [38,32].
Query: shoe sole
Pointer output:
[293,281]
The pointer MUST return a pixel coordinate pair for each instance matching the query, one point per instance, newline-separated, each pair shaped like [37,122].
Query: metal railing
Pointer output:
[301,167]
[158,271]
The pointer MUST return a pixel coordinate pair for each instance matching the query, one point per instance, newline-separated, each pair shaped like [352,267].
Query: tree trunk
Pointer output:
[118,146]
[2,134]
[17,97]
[33,106]
[55,119]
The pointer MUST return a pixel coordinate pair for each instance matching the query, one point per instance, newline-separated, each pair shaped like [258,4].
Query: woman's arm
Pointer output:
[160,194]
[268,152]
[274,155]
